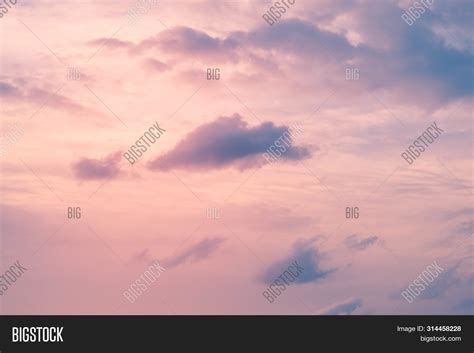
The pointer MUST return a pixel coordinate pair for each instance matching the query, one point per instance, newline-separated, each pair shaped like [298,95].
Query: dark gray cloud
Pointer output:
[227,141]
[197,252]
[307,256]
[356,243]
[92,169]
[346,307]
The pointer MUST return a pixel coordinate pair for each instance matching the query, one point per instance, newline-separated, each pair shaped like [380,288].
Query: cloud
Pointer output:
[464,218]
[111,43]
[468,211]
[92,169]
[426,56]
[346,307]
[412,53]
[267,217]
[293,36]
[155,65]
[7,89]
[197,252]
[38,95]
[301,38]
[415,56]
[465,228]
[178,41]
[440,286]
[307,256]
[143,256]
[356,243]
[465,307]
[455,21]
[227,141]
[185,42]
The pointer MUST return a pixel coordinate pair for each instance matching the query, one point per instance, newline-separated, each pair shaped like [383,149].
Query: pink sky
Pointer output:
[72,134]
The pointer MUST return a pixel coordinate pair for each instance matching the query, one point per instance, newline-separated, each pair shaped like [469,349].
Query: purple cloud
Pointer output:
[7,89]
[197,252]
[356,243]
[415,53]
[466,227]
[307,256]
[227,141]
[441,285]
[187,41]
[155,65]
[93,169]
[33,94]
[111,43]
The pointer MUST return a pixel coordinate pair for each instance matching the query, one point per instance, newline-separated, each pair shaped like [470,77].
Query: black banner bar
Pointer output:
[245,333]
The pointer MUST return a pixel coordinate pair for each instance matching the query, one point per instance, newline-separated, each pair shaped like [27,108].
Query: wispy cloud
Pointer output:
[28,94]
[356,243]
[197,252]
[308,256]
[154,65]
[347,307]
[111,43]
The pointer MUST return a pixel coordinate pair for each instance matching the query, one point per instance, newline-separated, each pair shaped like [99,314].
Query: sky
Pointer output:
[344,86]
